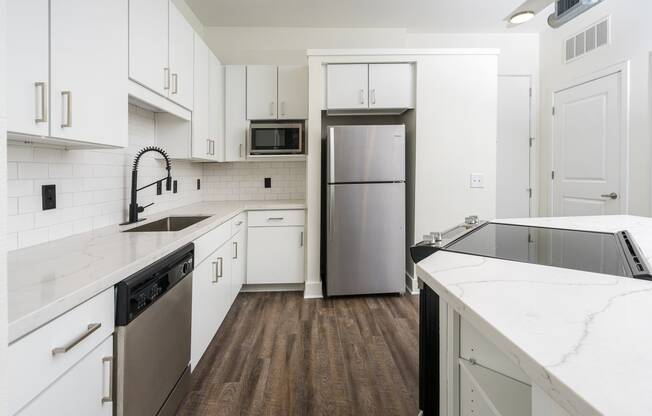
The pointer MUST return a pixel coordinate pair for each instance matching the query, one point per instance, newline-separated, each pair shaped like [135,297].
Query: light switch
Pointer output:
[477,180]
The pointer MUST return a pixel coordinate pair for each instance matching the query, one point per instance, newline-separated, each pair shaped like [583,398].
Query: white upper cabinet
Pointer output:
[216,106]
[293,92]
[27,68]
[202,146]
[181,59]
[262,92]
[235,113]
[391,85]
[88,71]
[148,44]
[67,87]
[369,87]
[347,86]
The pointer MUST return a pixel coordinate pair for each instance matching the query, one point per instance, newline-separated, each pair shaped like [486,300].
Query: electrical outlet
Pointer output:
[49,196]
[268,182]
[477,180]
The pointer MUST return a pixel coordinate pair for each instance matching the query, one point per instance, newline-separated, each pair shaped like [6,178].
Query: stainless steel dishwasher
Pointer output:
[152,343]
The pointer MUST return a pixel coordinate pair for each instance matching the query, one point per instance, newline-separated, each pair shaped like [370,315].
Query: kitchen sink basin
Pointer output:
[167,224]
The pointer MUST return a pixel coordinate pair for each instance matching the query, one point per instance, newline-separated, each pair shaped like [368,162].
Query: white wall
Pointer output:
[3,216]
[631,41]
[92,185]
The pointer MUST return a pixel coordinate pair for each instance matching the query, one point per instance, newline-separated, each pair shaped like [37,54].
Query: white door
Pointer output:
[587,149]
[235,113]
[181,58]
[262,92]
[216,106]
[148,44]
[293,92]
[391,86]
[347,86]
[513,147]
[275,255]
[89,71]
[85,389]
[27,66]
[202,144]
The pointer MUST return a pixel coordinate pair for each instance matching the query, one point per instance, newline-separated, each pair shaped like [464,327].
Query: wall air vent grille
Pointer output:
[588,40]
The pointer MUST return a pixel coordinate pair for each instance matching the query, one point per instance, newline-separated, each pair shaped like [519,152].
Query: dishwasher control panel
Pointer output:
[137,292]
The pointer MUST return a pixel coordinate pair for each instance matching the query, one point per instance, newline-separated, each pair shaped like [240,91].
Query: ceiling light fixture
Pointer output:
[521,17]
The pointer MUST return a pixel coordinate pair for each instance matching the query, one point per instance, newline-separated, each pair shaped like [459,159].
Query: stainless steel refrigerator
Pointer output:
[365,210]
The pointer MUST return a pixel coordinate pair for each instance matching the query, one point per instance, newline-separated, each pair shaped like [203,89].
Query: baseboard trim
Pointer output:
[285,287]
[411,284]
[313,290]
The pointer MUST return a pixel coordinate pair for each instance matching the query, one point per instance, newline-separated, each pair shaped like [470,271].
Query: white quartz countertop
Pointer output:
[584,338]
[49,279]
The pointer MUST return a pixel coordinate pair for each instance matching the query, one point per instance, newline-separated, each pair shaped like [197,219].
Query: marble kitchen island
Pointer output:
[519,338]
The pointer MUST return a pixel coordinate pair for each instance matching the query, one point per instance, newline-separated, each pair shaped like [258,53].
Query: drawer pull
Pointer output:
[275,219]
[72,344]
[109,397]
[235,250]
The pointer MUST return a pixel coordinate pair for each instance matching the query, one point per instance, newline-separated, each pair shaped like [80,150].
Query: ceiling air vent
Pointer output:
[567,10]
[588,40]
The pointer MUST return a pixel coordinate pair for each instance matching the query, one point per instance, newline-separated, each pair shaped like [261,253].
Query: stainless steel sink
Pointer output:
[167,224]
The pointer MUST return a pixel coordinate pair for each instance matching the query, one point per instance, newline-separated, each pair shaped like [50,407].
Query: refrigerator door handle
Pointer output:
[331,200]
[331,156]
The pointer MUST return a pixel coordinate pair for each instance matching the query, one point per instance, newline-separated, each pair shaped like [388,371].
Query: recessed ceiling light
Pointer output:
[521,17]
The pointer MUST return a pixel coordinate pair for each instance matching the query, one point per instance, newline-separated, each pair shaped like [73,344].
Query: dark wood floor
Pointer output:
[278,354]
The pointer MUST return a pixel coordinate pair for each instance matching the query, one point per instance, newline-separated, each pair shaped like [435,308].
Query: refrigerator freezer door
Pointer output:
[365,238]
[366,154]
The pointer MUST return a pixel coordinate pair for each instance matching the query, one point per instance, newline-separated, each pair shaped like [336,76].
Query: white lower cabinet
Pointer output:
[275,255]
[86,389]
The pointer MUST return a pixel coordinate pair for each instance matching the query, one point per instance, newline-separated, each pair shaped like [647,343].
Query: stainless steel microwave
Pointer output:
[275,139]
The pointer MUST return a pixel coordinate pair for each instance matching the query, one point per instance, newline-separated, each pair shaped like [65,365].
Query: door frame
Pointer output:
[532,165]
[623,69]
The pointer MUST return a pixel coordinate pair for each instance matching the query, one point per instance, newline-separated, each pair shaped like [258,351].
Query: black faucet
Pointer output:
[134,209]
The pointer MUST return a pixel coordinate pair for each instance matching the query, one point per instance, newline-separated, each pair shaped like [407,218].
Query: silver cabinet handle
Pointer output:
[166,78]
[373,96]
[239,223]
[175,83]
[235,250]
[66,116]
[275,218]
[43,116]
[89,330]
[282,108]
[612,195]
[362,96]
[208,146]
[301,240]
[240,151]
[271,108]
[212,147]
[109,397]
[218,264]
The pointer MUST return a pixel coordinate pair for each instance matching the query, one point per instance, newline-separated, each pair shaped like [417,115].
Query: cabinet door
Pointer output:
[346,86]
[202,146]
[88,71]
[216,106]
[262,92]
[238,266]
[181,58]
[235,113]
[86,389]
[27,66]
[148,44]
[391,86]
[293,92]
[275,255]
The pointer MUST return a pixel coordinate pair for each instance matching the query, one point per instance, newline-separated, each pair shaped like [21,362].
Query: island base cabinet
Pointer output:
[86,389]
[275,255]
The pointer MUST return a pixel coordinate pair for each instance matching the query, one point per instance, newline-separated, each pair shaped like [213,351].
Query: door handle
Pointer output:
[72,344]
[109,397]
[43,107]
[235,250]
[240,151]
[612,195]
[66,116]
[331,200]
[362,96]
[271,108]
[301,239]
[175,83]
[166,78]
[282,108]
[373,96]
[275,218]
[208,146]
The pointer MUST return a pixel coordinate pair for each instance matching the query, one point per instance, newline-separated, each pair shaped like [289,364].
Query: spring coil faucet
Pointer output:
[134,208]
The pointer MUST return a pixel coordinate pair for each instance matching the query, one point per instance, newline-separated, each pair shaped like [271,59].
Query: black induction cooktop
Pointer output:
[607,253]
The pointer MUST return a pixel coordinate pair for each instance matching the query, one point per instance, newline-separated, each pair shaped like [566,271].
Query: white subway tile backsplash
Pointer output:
[19,187]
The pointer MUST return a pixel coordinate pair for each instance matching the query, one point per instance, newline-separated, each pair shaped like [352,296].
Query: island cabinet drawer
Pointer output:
[475,347]
[238,223]
[211,241]
[41,357]
[277,218]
